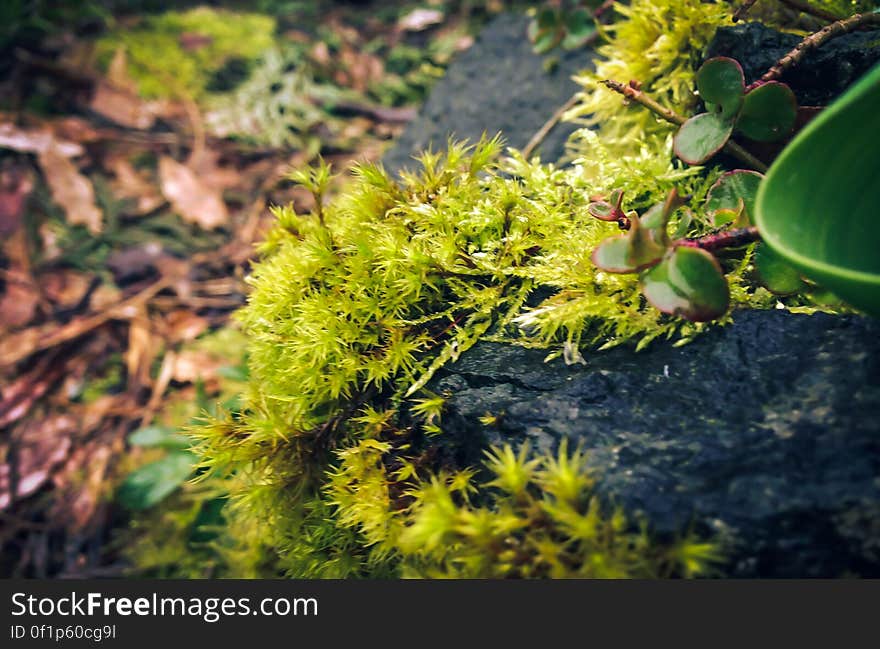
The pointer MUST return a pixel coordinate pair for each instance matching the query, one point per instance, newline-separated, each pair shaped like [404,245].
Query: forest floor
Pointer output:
[140,155]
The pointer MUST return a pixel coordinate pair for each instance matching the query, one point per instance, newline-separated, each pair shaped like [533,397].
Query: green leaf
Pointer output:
[776,274]
[657,218]
[151,483]
[603,210]
[688,283]
[818,206]
[721,83]
[768,113]
[160,437]
[701,137]
[729,190]
[630,252]
[579,27]
[613,255]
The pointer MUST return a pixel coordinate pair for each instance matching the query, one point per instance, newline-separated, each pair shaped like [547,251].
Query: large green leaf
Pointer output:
[688,283]
[768,112]
[151,483]
[701,137]
[777,274]
[721,84]
[817,207]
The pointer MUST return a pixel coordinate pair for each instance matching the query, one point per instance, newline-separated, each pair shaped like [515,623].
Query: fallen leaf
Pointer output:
[20,297]
[420,19]
[35,140]
[122,106]
[38,447]
[195,365]
[70,189]
[16,184]
[195,202]
[65,288]
[142,348]
[132,185]
[182,325]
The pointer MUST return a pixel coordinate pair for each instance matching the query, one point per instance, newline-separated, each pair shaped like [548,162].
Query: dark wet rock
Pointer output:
[764,433]
[818,78]
[498,84]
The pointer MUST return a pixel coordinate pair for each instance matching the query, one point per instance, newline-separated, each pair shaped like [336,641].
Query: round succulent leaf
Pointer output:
[688,283]
[732,189]
[768,113]
[724,216]
[603,210]
[614,255]
[701,137]
[722,85]
[777,274]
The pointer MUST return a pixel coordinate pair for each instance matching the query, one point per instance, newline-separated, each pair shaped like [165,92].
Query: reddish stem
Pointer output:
[727,239]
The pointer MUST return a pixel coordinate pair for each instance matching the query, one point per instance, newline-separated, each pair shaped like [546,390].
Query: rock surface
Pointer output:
[817,79]
[764,432]
[498,84]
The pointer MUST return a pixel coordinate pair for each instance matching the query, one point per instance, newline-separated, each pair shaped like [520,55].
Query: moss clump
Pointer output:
[659,44]
[161,63]
[337,464]
[357,304]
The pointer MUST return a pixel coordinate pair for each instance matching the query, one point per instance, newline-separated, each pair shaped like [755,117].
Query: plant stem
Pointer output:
[727,239]
[743,9]
[639,97]
[809,9]
[813,41]
[544,131]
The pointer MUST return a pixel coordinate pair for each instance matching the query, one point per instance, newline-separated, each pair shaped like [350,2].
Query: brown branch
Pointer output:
[809,9]
[544,131]
[671,116]
[743,9]
[726,239]
[813,41]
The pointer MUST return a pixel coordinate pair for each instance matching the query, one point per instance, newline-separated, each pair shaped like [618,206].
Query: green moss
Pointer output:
[161,64]
[337,464]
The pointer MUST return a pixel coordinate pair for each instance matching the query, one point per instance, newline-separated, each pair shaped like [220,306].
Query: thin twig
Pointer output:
[813,41]
[809,9]
[639,97]
[743,9]
[542,133]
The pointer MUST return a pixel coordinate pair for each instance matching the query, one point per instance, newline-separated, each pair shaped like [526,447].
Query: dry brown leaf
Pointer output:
[66,288]
[70,189]
[81,484]
[21,296]
[420,19]
[116,97]
[16,184]
[122,107]
[194,365]
[190,196]
[182,325]
[39,446]
[132,185]
[35,140]
[117,72]
[142,348]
